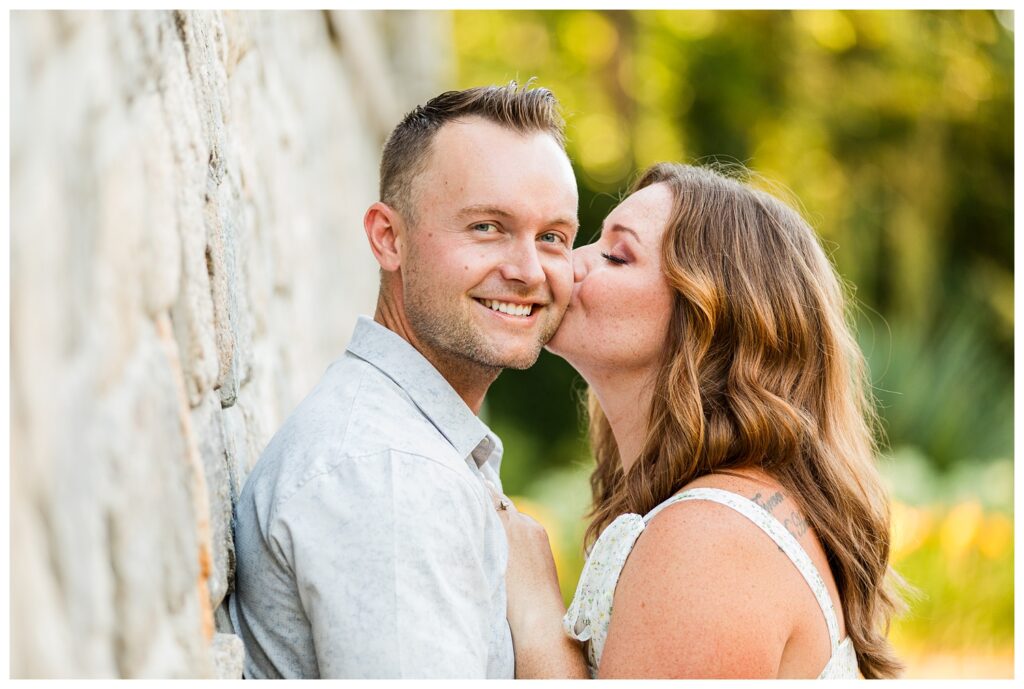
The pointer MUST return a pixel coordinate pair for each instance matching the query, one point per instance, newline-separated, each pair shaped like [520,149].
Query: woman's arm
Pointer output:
[535,608]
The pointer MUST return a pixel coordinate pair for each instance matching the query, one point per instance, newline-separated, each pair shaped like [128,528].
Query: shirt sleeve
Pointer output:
[390,563]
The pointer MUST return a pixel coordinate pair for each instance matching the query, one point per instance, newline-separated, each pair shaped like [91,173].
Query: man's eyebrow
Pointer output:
[572,223]
[484,210]
[622,228]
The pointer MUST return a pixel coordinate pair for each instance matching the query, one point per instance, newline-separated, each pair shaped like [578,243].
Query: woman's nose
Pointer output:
[581,262]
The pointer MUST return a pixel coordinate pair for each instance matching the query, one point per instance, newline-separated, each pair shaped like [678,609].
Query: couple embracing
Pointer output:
[739,527]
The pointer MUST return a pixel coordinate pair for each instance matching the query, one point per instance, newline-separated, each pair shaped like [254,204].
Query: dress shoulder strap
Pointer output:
[778,533]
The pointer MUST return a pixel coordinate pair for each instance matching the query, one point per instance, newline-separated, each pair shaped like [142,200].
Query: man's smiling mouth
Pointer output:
[508,308]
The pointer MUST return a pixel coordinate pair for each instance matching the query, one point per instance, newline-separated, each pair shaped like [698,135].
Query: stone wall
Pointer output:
[187,256]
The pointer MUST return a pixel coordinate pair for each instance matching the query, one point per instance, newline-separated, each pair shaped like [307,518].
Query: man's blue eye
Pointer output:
[551,237]
[485,226]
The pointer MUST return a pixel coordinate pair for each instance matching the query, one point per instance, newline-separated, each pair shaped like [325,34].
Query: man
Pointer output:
[366,539]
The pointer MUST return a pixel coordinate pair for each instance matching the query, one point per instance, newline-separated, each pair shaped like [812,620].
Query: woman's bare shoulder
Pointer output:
[703,593]
[729,539]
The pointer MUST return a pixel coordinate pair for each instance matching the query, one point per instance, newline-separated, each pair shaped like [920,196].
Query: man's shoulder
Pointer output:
[355,418]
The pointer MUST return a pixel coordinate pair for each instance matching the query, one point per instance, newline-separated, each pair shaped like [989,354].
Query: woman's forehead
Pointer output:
[645,211]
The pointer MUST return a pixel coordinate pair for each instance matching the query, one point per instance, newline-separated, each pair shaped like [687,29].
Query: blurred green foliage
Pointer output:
[894,129]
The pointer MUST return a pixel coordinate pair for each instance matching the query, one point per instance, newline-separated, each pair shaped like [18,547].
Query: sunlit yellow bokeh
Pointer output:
[830,28]
[546,518]
[910,527]
[959,529]
[995,538]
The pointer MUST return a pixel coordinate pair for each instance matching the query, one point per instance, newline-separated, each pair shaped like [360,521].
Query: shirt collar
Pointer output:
[428,389]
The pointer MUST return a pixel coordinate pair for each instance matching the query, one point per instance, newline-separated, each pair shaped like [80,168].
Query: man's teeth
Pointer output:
[510,309]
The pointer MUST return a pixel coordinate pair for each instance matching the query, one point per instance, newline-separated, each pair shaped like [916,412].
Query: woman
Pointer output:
[728,406]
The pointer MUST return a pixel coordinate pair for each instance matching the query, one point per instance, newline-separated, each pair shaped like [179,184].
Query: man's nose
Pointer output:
[523,265]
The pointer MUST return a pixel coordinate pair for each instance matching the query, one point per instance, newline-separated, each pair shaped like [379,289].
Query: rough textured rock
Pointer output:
[187,257]
[228,655]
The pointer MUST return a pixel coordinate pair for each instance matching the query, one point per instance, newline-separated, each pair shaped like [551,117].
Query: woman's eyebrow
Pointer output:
[622,228]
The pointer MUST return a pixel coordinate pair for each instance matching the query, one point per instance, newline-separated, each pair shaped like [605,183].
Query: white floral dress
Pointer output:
[590,613]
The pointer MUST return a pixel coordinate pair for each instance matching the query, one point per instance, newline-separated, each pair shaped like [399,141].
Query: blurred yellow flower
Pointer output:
[996,536]
[910,527]
[959,528]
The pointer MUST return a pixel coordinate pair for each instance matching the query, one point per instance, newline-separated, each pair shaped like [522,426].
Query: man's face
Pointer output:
[487,272]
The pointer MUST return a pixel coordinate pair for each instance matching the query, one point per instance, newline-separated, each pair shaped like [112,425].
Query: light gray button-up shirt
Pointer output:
[367,544]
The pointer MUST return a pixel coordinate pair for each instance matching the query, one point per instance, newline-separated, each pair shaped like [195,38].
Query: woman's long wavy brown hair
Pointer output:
[761,370]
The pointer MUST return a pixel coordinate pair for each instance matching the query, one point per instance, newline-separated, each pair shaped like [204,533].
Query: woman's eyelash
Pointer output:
[614,259]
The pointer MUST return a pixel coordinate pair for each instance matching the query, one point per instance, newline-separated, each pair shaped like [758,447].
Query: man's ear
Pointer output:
[385,232]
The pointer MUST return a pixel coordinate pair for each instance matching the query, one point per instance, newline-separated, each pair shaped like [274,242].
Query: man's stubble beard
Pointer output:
[451,332]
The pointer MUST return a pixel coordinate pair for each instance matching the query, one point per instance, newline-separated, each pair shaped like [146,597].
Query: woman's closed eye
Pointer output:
[612,258]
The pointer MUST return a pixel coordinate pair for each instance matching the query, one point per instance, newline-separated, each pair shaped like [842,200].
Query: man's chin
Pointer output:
[524,363]
[519,360]
[518,351]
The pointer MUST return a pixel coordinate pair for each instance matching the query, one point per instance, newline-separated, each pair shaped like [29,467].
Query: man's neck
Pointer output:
[469,380]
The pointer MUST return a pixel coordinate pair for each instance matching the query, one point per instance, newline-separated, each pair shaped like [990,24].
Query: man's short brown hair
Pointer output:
[522,109]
